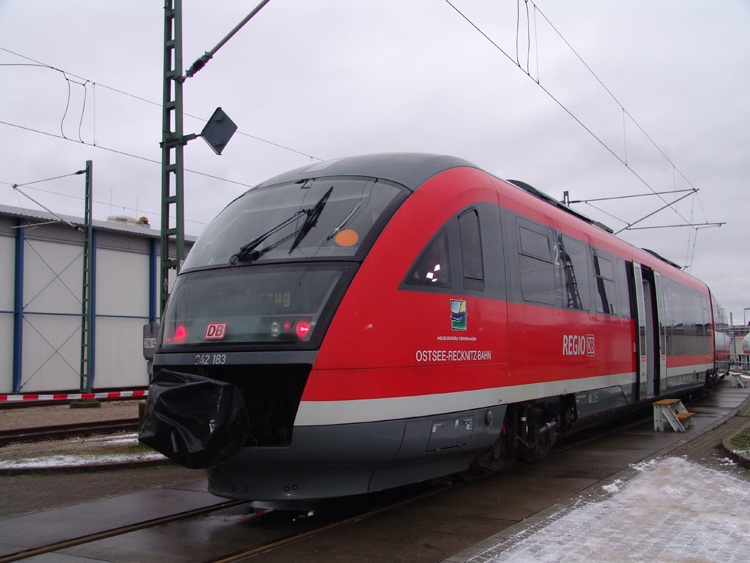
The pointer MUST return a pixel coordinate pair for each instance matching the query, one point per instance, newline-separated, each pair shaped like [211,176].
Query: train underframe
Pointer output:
[279,460]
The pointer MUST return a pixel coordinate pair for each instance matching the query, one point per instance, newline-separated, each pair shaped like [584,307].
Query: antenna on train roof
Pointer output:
[559,204]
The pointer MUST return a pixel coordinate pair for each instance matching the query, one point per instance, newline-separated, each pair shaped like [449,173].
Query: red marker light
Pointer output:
[303,327]
[180,334]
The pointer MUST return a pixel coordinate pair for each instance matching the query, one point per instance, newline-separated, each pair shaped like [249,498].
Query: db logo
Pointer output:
[215,331]
[579,345]
[590,345]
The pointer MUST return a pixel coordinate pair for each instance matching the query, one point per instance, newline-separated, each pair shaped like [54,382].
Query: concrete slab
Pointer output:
[199,486]
[196,540]
[54,526]
[510,496]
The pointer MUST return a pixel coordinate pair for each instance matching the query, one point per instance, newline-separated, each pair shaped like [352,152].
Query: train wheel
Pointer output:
[473,473]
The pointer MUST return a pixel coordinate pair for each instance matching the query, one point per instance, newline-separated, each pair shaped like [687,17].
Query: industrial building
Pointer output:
[41,288]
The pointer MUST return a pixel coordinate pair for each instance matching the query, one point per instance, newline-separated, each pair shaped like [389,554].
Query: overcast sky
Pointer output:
[326,79]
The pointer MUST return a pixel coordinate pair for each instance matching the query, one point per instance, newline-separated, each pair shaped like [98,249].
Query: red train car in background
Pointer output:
[374,321]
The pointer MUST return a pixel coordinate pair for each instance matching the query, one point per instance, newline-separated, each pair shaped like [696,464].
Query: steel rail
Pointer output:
[36,434]
[18,556]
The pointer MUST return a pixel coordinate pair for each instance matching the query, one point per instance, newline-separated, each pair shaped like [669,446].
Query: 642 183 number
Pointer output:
[210,359]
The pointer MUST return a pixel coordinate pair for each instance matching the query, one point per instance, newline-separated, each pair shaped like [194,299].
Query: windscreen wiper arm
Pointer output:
[311,220]
[343,223]
[248,253]
[247,250]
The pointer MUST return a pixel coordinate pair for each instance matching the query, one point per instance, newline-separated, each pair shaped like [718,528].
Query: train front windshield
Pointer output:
[320,218]
[271,265]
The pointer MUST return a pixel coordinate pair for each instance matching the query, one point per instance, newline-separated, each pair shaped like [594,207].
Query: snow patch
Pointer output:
[76,460]
[614,487]
[690,508]
[643,465]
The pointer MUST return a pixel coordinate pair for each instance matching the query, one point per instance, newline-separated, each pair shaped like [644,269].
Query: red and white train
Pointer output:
[374,321]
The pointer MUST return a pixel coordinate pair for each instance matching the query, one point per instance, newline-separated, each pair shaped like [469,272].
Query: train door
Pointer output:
[647,339]
[661,340]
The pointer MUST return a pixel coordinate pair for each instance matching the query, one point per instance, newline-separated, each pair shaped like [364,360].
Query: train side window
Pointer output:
[623,292]
[678,318]
[692,313]
[471,250]
[705,332]
[536,268]
[605,285]
[534,243]
[433,267]
[668,316]
[574,258]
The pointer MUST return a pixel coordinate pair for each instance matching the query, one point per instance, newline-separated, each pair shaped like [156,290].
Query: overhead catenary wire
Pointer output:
[571,114]
[146,100]
[625,112]
[25,184]
[695,226]
[605,212]
[108,149]
[67,106]
[98,202]
[528,34]
[631,196]
[655,212]
[517,62]
[78,173]
[77,228]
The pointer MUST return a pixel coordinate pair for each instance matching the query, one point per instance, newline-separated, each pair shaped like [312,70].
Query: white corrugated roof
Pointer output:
[9,211]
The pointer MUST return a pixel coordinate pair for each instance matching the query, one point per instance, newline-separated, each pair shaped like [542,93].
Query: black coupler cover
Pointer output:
[193,420]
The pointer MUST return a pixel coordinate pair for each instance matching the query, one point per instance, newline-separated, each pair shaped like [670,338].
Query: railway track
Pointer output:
[58,432]
[271,526]
[265,527]
[115,532]
[420,523]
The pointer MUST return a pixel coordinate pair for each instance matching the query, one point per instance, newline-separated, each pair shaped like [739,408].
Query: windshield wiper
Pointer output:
[246,253]
[343,223]
[312,219]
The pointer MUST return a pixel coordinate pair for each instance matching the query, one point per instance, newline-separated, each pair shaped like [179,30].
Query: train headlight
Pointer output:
[275,330]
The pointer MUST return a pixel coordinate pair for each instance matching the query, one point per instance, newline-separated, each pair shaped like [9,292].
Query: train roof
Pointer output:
[414,169]
[408,169]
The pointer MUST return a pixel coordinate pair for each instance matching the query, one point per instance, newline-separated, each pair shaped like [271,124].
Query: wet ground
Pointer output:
[597,484]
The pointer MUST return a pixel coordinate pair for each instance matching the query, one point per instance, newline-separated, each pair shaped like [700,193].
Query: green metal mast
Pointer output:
[87,297]
[173,142]
[173,139]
